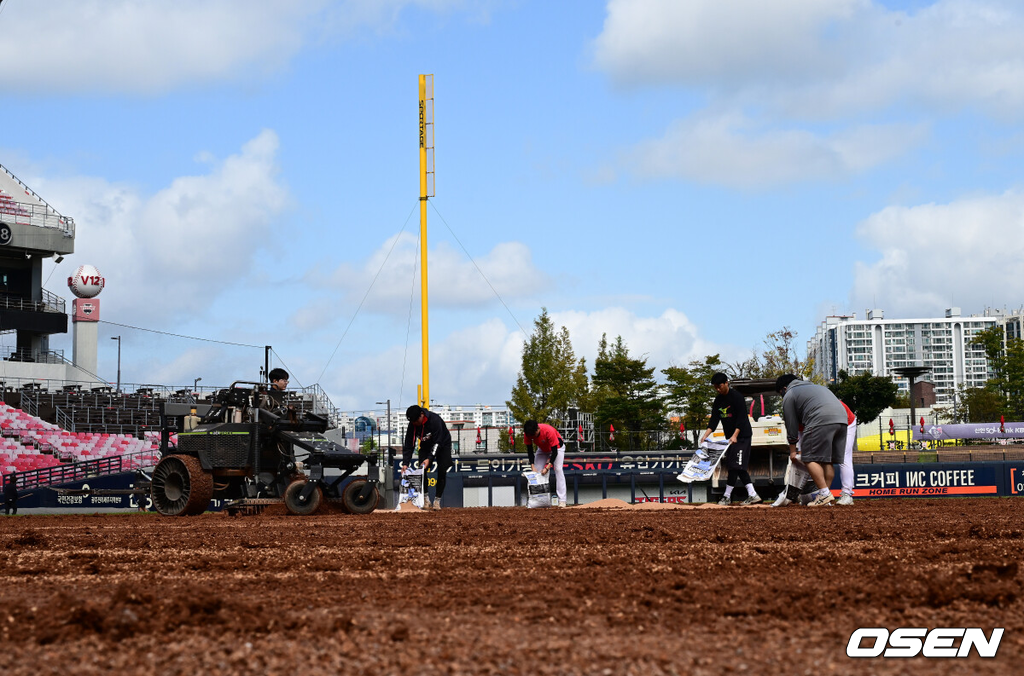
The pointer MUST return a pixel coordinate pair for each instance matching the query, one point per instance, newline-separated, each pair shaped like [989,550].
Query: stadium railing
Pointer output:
[66,473]
[959,455]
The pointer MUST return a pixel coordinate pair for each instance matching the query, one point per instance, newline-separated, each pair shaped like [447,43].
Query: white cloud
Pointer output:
[215,365]
[666,340]
[479,364]
[712,42]
[822,58]
[453,280]
[170,254]
[148,47]
[144,46]
[382,16]
[966,254]
[732,150]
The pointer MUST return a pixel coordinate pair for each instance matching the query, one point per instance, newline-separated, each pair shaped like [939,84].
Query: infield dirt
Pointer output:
[508,590]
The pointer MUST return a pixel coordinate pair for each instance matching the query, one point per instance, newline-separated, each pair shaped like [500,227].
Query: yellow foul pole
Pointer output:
[426,90]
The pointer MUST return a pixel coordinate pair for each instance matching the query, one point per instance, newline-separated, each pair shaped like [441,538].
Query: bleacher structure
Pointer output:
[74,432]
[44,453]
[101,409]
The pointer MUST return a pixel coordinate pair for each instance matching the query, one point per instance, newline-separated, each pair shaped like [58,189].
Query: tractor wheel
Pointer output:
[293,498]
[351,501]
[181,487]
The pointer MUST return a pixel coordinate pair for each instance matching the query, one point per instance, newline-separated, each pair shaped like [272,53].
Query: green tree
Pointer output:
[979,404]
[551,379]
[689,391]
[777,356]
[1013,378]
[865,394]
[505,447]
[626,392]
[1007,363]
[991,340]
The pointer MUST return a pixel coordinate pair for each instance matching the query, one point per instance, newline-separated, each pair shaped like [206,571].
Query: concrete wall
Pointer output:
[53,376]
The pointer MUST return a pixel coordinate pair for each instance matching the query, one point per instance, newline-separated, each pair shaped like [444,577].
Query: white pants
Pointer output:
[542,458]
[846,469]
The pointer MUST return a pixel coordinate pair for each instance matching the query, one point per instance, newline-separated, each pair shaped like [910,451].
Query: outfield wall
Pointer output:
[479,481]
[496,480]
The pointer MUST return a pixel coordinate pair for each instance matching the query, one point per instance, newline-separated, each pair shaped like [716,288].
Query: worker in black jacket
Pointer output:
[435,442]
[11,494]
[730,408]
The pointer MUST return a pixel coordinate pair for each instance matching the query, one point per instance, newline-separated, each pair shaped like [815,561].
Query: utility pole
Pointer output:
[385,465]
[388,402]
[118,339]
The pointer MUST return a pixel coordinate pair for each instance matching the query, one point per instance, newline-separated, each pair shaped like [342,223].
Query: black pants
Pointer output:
[442,463]
[736,459]
[10,506]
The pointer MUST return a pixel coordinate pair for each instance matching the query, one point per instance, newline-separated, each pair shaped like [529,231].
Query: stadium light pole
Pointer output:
[118,339]
[388,402]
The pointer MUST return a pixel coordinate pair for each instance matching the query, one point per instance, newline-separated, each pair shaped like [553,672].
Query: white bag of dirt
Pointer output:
[538,490]
[411,489]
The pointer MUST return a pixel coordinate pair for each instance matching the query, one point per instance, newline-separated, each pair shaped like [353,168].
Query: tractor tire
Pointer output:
[295,505]
[350,498]
[180,486]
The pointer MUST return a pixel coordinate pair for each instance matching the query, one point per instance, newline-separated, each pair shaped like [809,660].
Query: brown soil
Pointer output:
[508,590]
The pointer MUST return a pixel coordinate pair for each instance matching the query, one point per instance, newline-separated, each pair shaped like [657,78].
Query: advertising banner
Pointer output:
[1010,430]
[1015,470]
[516,464]
[926,480]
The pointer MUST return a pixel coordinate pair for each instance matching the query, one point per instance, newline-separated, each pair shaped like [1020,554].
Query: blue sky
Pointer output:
[690,175]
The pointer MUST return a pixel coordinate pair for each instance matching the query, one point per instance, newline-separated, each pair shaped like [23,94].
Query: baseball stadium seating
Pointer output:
[30,443]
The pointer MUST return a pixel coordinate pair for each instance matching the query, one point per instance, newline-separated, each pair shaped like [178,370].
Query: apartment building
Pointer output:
[878,346]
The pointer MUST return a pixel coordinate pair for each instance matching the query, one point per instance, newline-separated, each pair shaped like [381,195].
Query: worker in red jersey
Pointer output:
[550,453]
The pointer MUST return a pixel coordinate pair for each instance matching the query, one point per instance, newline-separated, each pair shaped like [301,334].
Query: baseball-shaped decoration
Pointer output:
[87,282]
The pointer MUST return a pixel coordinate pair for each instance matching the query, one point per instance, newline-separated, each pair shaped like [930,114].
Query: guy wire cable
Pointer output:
[496,294]
[366,295]
[178,335]
[290,372]
[408,326]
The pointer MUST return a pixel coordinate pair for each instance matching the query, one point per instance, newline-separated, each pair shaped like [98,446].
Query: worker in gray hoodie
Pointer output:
[815,411]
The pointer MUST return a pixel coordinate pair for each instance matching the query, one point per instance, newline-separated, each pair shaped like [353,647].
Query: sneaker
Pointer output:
[726,500]
[562,504]
[782,501]
[752,499]
[437,504]
[822,500]
[846,500]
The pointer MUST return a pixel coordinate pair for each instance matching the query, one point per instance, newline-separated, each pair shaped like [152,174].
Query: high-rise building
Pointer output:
[878,346]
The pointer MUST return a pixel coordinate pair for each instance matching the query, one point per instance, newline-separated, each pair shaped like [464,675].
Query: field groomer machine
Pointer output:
[249,451]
